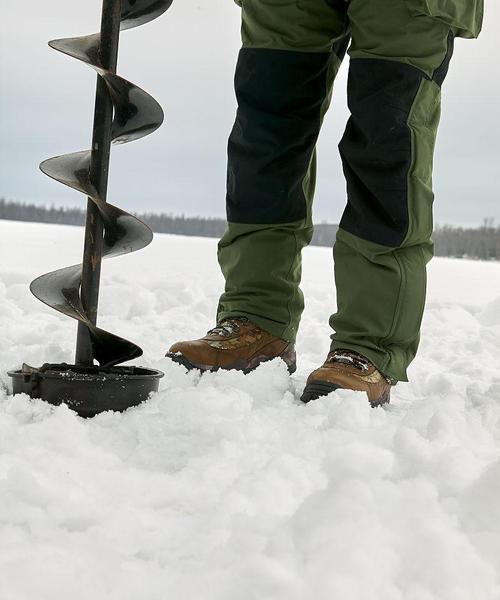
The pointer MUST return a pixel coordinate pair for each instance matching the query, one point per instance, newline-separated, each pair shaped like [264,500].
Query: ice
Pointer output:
[226,487]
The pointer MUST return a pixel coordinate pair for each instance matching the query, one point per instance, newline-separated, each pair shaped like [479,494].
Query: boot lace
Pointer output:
[348,357]
[227,327]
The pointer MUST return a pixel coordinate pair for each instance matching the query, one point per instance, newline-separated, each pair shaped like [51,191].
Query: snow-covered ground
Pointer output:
[225,487]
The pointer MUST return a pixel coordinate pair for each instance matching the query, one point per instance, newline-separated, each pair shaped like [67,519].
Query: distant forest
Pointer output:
[481,243]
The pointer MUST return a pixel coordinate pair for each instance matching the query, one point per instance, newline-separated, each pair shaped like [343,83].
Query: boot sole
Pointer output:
[182,360]
[317,389]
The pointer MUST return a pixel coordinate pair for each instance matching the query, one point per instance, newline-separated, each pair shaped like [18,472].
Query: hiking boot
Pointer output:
[347,370]
[236,343]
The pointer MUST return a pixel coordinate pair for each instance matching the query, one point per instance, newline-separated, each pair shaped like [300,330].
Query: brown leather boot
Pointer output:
[344,369]
[236,343]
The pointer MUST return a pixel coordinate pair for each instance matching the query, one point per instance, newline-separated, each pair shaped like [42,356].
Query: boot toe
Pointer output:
[316,389]
[193,355]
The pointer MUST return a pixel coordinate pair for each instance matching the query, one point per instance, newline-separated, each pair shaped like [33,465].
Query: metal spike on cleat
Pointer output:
[123,113]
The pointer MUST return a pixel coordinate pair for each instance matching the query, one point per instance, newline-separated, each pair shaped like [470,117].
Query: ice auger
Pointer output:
[123,113]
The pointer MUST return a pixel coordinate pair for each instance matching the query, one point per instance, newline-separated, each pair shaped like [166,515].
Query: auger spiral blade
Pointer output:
[123,113]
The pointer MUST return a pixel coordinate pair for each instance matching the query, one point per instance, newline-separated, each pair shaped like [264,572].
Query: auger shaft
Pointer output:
[99,168]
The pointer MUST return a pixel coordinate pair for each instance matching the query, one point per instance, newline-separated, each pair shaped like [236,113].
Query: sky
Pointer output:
[186,60]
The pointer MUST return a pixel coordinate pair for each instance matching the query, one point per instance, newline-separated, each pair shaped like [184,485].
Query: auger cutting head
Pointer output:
[123,113]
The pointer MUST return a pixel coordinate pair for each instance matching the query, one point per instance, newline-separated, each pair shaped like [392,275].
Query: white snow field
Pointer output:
[225,487]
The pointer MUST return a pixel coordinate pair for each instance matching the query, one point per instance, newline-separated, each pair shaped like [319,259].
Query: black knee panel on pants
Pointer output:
[376,149]
[280,97]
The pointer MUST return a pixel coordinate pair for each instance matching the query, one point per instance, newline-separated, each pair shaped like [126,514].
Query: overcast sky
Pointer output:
[186,60]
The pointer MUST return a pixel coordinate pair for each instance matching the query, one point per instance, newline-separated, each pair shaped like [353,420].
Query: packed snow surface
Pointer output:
[225,487]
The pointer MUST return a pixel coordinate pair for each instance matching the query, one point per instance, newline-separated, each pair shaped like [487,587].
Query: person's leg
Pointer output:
[291,52]
[399,59]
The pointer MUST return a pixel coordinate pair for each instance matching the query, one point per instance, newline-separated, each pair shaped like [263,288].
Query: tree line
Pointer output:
[481,243]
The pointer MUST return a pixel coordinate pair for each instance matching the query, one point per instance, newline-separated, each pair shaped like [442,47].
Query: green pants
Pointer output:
[292,49]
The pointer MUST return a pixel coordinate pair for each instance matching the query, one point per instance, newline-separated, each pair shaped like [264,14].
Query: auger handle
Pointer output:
[99,168]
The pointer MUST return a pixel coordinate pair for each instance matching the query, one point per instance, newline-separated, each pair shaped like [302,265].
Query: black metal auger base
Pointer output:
[87,390]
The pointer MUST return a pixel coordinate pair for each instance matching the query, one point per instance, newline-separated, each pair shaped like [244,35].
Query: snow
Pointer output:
[225,487]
